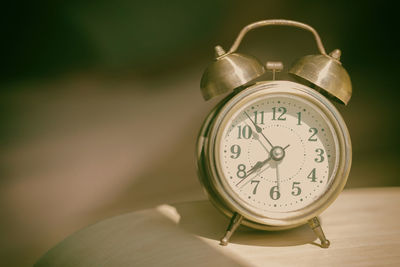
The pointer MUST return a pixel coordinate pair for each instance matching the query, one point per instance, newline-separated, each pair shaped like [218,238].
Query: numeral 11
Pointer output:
[261,117]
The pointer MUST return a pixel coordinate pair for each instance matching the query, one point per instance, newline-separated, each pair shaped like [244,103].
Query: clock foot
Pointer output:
[233,225]
[316,227]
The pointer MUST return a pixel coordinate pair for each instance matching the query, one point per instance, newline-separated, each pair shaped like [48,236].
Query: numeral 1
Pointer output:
[298,118]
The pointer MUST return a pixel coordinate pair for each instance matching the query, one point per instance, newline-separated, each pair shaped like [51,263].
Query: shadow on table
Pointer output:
[202,219]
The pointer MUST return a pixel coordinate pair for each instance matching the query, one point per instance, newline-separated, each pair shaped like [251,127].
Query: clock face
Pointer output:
[277,153]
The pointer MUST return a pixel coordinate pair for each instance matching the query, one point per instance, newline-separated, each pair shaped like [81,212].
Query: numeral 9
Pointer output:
[235,149]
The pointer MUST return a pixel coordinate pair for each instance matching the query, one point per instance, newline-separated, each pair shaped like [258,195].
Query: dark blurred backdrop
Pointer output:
[100,102]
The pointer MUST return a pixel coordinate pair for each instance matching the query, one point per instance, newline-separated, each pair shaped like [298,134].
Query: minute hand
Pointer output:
[258,129]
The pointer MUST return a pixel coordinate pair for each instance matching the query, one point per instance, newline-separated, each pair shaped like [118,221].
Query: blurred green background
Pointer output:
[100,102]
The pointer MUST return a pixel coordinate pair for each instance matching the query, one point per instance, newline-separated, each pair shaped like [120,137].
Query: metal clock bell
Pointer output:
[274,154]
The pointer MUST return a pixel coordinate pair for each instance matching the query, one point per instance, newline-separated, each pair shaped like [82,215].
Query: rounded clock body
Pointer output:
[278,153]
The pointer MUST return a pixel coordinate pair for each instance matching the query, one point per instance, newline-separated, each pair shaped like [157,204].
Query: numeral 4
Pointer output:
[312,176]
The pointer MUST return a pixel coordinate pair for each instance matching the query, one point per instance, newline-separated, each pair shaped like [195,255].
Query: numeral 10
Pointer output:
[244,132]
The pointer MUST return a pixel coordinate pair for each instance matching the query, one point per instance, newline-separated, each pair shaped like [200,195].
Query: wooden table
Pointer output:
[362,225]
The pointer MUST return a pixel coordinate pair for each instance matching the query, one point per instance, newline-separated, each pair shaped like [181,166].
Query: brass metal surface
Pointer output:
[315,225]
[277,22]
[210,175]
[233,225]
[231,70]
[228,72]
[327,73]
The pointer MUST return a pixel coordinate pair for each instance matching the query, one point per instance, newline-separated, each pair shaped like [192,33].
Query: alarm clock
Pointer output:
[274,154]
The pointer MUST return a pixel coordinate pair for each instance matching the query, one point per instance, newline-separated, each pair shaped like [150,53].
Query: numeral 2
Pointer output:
[314,131]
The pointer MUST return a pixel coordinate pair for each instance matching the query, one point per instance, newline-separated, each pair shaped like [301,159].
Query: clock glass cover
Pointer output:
[277,153]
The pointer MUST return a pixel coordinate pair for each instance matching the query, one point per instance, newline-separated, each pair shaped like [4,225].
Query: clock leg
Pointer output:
[316,227]
[233,225]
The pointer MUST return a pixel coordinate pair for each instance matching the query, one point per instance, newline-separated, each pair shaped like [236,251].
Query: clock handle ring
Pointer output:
[279,22]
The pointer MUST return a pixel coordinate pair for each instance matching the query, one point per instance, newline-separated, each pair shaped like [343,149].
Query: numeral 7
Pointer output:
[256,186]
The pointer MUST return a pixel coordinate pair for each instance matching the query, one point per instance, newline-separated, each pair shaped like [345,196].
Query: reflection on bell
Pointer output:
[228,72]
[326,72]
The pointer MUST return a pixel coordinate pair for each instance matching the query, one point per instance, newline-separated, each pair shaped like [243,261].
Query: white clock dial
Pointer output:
[278,153]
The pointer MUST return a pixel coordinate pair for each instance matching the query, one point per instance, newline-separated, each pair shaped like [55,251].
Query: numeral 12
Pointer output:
[280,117]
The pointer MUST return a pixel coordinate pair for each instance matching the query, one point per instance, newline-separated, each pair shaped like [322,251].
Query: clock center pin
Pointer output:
[277,153]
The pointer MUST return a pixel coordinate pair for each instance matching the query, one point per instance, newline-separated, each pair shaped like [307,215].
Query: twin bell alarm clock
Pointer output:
[274,154]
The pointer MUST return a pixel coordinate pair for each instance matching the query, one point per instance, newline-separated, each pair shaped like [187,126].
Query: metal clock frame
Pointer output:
[210,173]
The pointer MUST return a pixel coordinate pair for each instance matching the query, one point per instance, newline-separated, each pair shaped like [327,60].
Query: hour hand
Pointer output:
[256,167]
